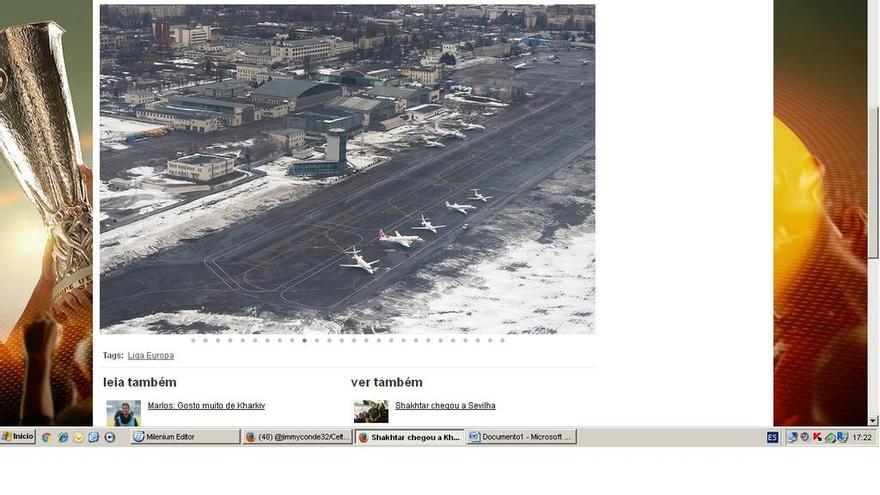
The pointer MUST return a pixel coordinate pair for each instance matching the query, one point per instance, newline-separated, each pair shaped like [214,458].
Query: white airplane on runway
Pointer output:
[462,208]
[446,133]
[426,225]
[469,127]
[480,197]
[360,262]
[403,240]
[521,66]
[433,144]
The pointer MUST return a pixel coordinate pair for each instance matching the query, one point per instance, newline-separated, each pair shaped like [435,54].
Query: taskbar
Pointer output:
[379,436]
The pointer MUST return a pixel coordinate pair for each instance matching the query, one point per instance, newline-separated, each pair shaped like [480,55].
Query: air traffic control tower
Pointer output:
[334,162]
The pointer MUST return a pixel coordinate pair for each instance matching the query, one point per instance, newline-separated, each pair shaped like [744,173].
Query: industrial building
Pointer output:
[181,119]
[222,89]
[264,77]
[422,112]
[290,138]
[362,78]
[269,110]
[501,89]
[200,167]
[408,96]
[260,59]
[139,97]
[297,94]
[232,113]
[321,120]
[334,162]
[245,72]
[372,111]
[392,123]
[424,75]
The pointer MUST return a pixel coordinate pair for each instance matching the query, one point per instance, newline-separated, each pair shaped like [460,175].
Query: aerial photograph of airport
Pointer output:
[360,169]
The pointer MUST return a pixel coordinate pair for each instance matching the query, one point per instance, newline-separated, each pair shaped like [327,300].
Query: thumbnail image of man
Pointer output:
[124,416]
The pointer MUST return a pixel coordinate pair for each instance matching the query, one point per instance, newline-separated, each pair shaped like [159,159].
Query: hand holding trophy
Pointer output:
[39,140]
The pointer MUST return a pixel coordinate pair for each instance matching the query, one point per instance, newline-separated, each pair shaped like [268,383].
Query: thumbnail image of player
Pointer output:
[125,417]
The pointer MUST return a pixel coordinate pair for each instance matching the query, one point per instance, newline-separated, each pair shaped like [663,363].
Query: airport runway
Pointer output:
[287,258]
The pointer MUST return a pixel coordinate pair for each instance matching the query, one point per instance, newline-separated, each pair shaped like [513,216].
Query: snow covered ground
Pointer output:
[135,200]
[528,288]
[143,172]
[200,322]
[114,130]
[197,218]
[493,104]
[232,144]
[464,64]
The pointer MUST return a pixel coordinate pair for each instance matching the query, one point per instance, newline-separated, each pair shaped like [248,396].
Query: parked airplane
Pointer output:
[462,208]
[403,240]
[469,127]
[521,66]
[480,197]
[360,262]
[433,144]
[444,132]
[426,225]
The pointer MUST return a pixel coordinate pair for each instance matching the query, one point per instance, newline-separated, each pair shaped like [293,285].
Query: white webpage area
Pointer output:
[683,315]
[427,380]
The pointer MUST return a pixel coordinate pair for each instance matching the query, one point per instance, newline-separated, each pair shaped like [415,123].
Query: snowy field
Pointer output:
[137,201]
[529,288]
[114,130]
[232,149]
[197,218]
[464,64]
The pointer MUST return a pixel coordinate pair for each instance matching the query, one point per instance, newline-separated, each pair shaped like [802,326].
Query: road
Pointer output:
[287,258]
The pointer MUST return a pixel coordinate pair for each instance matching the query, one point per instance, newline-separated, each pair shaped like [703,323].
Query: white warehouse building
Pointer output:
[200,167]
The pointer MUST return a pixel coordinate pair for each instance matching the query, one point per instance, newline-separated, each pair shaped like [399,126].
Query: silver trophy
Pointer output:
[38,138]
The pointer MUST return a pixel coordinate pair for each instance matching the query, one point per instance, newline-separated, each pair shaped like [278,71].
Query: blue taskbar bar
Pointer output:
[446,437]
